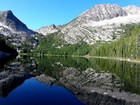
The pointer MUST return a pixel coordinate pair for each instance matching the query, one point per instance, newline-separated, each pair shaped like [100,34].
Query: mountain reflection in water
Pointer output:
[79,75]
[32,92]
[18,88]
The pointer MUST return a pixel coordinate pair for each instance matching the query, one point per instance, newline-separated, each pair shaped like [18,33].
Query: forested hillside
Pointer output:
[53,44]
[127,47]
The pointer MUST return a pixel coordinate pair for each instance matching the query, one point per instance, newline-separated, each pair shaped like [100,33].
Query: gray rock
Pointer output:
[45,79]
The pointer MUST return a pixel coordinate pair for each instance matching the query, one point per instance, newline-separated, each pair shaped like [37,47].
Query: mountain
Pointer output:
[8,20]
[48,29]
[131,9]
[101,23]
[101,12]
[13,29]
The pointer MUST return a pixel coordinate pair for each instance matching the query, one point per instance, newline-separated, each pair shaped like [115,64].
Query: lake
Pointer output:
[68,81]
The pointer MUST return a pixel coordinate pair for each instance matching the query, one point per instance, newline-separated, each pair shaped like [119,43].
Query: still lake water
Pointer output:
[32,92]
[119,76]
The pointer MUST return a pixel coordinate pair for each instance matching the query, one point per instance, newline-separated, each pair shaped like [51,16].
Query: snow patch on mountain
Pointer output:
[131,9]
[117,21]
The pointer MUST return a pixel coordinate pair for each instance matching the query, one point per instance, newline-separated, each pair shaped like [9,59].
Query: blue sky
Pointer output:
[38,13]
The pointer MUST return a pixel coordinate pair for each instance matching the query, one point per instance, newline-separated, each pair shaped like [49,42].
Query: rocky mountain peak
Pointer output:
[100,23]
[8,19]
[13,29]
[6,13]
[52,26]
[48,29]
[103,11]
[132,9]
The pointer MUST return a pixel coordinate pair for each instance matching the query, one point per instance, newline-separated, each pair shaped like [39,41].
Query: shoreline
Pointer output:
[115,58]
[88,57]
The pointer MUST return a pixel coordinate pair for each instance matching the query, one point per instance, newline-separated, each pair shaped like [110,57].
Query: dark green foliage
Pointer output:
[29,45]
[26,48]
[6,46]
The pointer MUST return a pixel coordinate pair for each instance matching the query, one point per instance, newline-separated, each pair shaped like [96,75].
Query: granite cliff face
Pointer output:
[102,22]
[101,12]
[99,23]
[13,29]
